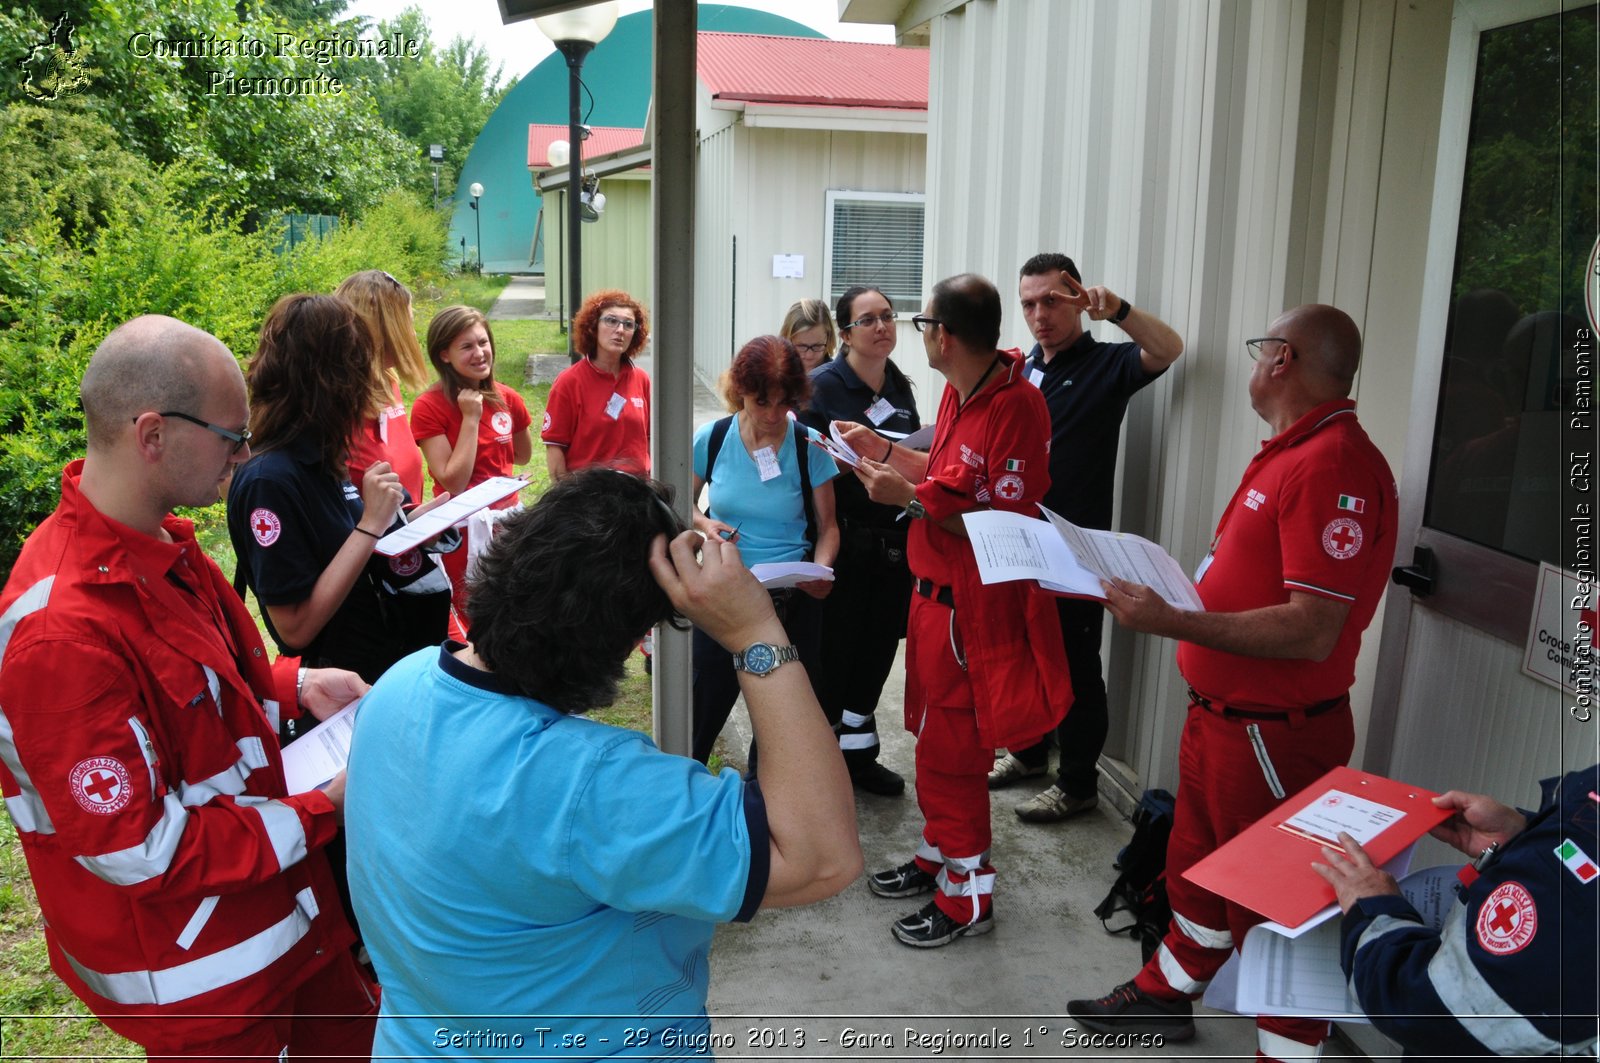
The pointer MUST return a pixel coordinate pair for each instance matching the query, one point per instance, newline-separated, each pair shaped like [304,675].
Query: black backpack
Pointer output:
[1141,887]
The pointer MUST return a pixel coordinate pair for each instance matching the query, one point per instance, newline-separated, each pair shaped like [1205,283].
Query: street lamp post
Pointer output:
[436,156]
[477,193]
[575,33]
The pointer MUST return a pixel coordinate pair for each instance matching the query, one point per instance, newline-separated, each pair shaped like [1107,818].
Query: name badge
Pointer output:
[1036,377]
[766,463]
[614,405]
[880,411]
[1200,572]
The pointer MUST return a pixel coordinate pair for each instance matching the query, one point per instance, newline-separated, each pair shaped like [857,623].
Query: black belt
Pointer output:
[1284,715]
[929,589]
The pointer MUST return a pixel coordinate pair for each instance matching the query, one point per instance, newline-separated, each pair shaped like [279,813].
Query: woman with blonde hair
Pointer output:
[384,433]
[809,326]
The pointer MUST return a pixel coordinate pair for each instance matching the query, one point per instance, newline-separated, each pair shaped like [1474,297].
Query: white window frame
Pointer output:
[835,196]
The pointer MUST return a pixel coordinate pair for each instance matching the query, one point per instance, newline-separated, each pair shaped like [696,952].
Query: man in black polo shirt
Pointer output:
[1087,385]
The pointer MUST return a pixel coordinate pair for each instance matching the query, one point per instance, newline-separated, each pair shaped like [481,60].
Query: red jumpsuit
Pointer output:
[989,672]
[1315,513]
[184,894]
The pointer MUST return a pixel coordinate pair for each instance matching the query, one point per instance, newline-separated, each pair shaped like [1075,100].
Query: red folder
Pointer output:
[1268,868]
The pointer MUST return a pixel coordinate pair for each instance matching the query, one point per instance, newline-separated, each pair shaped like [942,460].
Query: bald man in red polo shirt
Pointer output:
[1298,564]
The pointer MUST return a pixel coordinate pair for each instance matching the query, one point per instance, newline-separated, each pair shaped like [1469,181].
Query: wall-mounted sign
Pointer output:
[1560,649]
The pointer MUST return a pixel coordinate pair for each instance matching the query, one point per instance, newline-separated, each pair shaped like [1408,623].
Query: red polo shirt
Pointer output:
[433,414]
[1316,512]
[595,428]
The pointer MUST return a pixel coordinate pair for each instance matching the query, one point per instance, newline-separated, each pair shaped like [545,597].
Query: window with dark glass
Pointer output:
[1519,348]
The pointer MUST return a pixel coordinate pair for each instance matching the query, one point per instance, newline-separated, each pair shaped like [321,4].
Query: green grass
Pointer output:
[38,1016]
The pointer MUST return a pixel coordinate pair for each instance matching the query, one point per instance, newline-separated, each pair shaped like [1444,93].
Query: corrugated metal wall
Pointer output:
[762,193]
[1214,162]
[616,249]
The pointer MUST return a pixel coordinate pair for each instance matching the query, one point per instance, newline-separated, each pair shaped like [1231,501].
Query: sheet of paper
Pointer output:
[779,574]
[834,444]
[443,517]
[1129,557]
[321,753]
[1067,559]
[789,267]
[1337,811]
[1300,975]
[921,439]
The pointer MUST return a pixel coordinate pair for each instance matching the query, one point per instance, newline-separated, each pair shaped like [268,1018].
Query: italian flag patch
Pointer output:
[1577,861]
[1014,465]
[1352,503]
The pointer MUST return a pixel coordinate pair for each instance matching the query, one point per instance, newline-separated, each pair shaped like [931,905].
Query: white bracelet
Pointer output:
[299,685]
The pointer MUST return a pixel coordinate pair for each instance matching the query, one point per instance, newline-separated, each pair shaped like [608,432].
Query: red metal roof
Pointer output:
[812,71]
[604,139]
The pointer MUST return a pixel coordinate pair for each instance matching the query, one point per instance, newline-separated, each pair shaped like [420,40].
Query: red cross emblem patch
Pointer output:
[1342,538]
[407,564]
[501,423]
[101,785]
[1009,487]
[546,427]
[1507,921]
[265,526]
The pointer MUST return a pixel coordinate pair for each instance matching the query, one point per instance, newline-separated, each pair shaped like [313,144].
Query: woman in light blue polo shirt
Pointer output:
[759,498]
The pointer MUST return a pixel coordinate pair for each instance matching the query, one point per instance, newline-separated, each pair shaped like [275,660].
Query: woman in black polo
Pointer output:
[864,619]
[303,533]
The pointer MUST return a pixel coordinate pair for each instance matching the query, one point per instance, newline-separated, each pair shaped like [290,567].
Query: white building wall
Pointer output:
[1215,162]
[762,193]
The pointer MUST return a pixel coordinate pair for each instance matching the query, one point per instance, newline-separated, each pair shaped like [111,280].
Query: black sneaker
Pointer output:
[1128,1009]
[931,927]
[874,778]
[907,880]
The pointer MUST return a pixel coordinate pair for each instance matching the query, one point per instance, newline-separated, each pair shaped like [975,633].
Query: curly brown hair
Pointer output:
[310,377]
[764,365]
[586,322]
[446,325]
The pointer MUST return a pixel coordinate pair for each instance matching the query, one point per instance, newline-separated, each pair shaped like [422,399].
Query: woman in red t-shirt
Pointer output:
[384,433]
[470,427]
[598,412]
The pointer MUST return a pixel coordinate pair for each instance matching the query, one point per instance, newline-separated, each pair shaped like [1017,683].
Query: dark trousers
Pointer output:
[864,620]
[716,685]
[1082,733]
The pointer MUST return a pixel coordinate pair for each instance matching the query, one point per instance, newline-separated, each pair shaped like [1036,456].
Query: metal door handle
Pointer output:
[1418,576]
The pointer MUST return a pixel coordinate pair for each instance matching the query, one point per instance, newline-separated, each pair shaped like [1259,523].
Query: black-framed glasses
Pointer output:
[1253,347]
[811,348]
[239,439]
[626,324]
[885,318]
[921,323]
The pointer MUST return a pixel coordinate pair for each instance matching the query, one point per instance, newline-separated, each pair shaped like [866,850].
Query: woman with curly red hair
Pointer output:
[598,412]
[768,490]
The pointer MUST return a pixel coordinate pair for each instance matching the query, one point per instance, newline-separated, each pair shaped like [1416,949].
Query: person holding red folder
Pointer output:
[1298,564]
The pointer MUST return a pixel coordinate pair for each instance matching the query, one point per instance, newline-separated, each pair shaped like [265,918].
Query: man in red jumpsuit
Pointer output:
[1296,569]
[186,898]
[984,664]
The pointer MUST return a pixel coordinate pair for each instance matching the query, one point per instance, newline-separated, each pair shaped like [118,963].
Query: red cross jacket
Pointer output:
[139,760]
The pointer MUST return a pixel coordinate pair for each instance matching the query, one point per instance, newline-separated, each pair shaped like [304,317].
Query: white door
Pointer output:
[1497,474]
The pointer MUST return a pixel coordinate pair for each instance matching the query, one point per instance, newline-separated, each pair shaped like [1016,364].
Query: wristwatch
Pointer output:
[763,658]
[915,509]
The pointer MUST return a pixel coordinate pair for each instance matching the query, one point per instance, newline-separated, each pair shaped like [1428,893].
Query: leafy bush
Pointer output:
[165,254]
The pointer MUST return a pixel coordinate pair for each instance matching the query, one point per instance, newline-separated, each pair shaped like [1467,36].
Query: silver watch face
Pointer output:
[760,659]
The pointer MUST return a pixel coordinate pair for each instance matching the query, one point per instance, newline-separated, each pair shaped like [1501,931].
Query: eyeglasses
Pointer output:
[239,439]
[811,348]
[626,324]
[1253,347]
[921,323]
[886,318]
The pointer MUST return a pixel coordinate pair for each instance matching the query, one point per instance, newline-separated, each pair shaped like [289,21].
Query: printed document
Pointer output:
[321,753]
[1066,559]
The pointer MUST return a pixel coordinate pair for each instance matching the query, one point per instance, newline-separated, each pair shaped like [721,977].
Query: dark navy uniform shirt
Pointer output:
[838,394]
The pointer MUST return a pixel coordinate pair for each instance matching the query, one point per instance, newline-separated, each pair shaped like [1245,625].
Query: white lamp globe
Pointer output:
[560,153]
[476,190]
[590,24]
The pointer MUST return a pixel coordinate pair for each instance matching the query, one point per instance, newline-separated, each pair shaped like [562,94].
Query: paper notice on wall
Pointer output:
[789,267]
